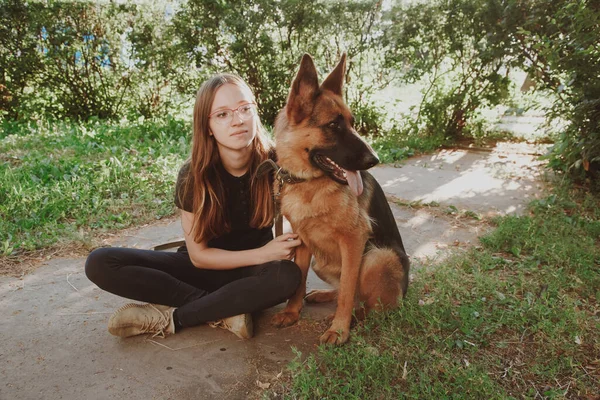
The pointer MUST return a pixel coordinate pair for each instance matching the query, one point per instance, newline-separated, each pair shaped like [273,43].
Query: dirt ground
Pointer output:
[54,340]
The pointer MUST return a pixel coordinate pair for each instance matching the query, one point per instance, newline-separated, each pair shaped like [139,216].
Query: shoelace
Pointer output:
[158,325]
[217,324]
[223,323]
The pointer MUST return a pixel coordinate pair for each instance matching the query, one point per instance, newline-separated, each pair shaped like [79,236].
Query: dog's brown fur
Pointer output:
[354,238]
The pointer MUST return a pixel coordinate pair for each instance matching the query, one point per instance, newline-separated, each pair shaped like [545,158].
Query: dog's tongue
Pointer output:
[355,182]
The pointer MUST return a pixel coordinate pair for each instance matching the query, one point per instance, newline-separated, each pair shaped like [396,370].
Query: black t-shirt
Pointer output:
[237,207]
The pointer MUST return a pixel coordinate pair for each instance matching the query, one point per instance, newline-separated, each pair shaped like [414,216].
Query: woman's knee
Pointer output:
[97,262]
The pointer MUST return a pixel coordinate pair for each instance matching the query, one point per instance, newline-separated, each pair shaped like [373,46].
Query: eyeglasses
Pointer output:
[225,115]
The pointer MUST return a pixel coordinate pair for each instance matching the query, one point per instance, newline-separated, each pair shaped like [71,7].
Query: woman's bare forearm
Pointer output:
[211,258]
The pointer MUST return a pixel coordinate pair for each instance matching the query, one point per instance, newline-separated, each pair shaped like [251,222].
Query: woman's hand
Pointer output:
[202,256]
[281,248]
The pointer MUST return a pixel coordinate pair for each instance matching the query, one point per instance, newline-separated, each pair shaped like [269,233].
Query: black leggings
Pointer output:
[200,295]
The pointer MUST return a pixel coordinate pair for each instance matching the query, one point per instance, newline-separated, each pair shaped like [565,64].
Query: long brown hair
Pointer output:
[208,189]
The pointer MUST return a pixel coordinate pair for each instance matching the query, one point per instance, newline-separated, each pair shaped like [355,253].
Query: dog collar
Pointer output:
[282,175]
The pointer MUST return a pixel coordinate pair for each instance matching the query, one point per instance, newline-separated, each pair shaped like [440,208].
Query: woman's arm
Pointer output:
[202,256]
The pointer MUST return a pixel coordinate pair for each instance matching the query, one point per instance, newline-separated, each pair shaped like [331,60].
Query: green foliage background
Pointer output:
[79,60]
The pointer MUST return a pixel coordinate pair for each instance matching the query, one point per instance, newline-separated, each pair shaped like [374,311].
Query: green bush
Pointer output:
[558,42]
[106,60]
[459,47]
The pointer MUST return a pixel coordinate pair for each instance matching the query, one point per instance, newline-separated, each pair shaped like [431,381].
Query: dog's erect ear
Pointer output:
[305,87]
[335,80]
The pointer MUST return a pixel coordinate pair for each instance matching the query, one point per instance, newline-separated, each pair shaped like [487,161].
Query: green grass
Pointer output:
[397,145]
[517,317]
[60,180]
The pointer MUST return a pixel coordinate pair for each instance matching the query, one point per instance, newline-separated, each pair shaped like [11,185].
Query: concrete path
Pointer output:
[54,341]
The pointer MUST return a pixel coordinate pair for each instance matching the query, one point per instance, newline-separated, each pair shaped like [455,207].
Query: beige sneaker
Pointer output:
[136,319]
[240,325]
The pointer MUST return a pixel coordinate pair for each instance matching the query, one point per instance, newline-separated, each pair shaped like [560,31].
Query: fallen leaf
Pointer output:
[263,386]
[586,165]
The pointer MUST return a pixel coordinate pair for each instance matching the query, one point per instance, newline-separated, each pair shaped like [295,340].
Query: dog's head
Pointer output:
[315,133]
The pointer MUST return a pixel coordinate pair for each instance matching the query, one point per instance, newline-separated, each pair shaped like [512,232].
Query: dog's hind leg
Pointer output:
[382,281]
[321,296]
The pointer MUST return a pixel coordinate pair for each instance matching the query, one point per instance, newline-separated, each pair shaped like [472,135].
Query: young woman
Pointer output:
[230,265]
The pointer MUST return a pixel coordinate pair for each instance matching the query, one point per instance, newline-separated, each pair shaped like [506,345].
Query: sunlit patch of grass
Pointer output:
[59,179]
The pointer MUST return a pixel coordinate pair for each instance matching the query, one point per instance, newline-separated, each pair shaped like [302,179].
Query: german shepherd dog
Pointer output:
[337,208]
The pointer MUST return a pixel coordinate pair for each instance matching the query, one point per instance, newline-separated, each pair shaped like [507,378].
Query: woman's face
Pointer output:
[236,134]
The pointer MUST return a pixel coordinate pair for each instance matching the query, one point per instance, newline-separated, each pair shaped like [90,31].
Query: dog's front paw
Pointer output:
[285,318]
[335,337]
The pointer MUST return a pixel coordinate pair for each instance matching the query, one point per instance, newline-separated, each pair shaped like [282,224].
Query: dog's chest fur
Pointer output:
[321,212]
